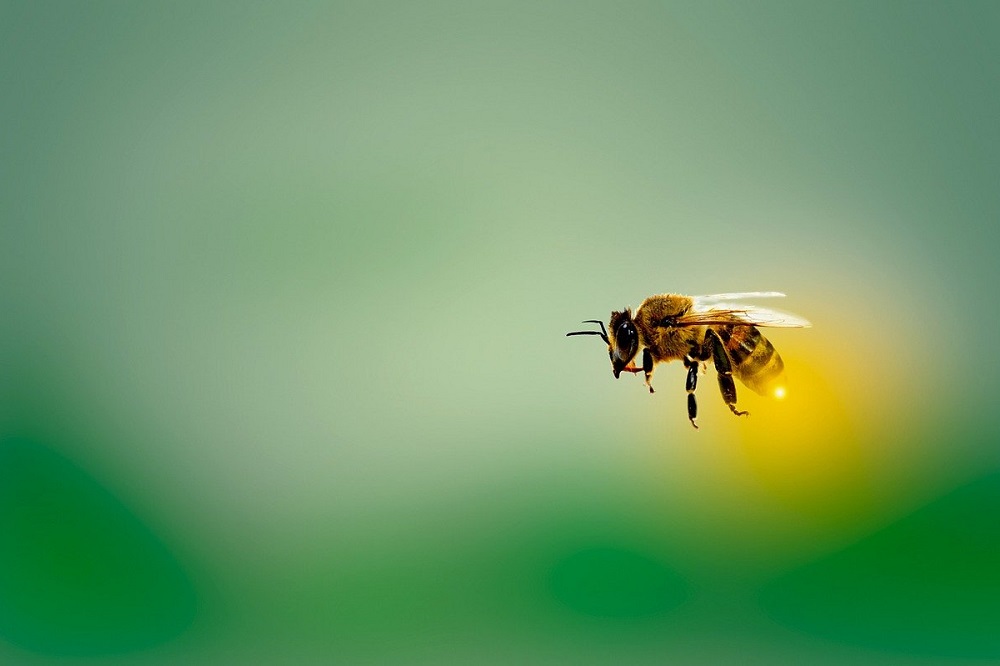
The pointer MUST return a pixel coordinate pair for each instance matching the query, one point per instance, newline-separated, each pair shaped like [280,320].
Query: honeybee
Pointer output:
[696,329]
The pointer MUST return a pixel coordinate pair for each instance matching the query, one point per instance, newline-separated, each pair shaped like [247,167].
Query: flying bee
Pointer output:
[695,330]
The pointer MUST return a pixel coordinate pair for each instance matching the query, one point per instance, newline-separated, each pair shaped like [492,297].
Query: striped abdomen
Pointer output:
[755,361]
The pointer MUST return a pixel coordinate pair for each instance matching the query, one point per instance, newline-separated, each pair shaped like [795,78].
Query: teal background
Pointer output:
[284,289]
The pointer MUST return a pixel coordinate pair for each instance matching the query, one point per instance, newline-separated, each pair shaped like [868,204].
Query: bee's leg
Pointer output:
[691,384]
[647,367]
[701,354]
[724,368]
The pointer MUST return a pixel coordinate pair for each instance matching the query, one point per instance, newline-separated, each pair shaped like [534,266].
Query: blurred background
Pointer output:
[283,374]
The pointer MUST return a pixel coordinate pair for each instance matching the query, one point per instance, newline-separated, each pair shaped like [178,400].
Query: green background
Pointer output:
[283,374]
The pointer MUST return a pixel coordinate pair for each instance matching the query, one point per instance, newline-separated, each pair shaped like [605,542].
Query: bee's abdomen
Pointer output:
[755,361]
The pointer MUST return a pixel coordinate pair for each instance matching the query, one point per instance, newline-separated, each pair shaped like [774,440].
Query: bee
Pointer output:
[695,330]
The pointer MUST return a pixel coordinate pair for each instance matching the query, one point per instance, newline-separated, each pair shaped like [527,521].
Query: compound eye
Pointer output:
[626,338]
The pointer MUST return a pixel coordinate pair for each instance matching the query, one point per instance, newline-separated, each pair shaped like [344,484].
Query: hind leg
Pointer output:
[724,368]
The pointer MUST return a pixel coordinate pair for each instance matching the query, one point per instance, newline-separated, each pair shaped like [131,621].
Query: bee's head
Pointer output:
[623,341]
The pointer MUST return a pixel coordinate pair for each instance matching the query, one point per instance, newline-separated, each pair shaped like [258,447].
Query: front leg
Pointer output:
[647,367]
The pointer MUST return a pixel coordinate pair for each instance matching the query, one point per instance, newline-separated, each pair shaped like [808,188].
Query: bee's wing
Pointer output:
[727,313]
[716,298]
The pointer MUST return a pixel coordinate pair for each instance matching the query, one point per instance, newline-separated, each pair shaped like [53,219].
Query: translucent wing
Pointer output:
[716,298]
[712,310]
